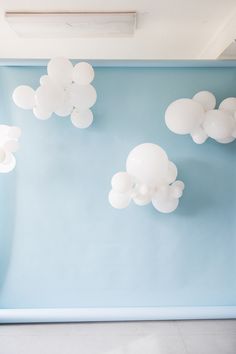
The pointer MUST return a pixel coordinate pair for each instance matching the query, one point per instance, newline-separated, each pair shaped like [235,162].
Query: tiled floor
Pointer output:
[164,337]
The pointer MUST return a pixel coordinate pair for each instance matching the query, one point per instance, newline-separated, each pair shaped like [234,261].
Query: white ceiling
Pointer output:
[166,29]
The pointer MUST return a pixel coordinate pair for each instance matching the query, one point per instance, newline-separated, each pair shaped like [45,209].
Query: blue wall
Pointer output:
[61,243]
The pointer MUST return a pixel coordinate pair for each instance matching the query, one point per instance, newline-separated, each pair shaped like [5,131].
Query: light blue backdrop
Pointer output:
[61,243]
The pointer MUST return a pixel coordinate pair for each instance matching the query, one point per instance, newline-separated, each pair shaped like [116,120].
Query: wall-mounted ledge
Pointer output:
[116,314]
[129,63]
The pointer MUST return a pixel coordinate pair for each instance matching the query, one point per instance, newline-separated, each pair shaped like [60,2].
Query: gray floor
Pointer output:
[165,337]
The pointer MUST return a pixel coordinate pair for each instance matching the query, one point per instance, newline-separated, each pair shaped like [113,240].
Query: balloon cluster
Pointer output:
[8,144]
[149,177]
[65,90]
[199,118]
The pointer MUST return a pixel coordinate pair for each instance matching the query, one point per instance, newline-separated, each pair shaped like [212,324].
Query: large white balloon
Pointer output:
[60,70]
[218,124]
[206,99]
[165,206]
[83,96]
[82,118]
[122,182]
[119,200]
[228,104]
[183,116]
[226,140]
[148,163]
[24,97]
[83,73]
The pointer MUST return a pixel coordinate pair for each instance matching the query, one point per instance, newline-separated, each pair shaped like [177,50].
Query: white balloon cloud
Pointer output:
[149,178]
[8,145]
[199,118]
[65,91]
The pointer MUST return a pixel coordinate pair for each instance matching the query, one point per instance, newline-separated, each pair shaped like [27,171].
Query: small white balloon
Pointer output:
[175,191]
[162,192]
[65,108]
[41,113]
[184,115]
[119,200]
[2,155]
[82,118]
[179,184]
[122,182]
[206,99]
[199,135]
[45,80]
[9,164]
[172,172]
[83,96]
[228,105]
[147,163]
[165,206]
[218,124]
[60,70]
[24,97]
[83,73]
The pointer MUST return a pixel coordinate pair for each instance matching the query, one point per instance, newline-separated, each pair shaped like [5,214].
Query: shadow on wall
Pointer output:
[7,221]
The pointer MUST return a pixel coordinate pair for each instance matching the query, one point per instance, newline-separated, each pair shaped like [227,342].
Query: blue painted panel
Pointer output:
[62,245]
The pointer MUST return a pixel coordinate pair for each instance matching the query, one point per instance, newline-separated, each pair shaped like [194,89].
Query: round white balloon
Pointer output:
[9,164]
[49,97]
[24,97]
[83,73]
[199,135]
[60,70]
[82,118]
[206,99]
[226,140]
[122,182]
[165,206]
[229,105]
[14,132]
[83,96]
[148,164]
[218,124]
[11,146]
[41,113]
[183,116]
[119,200]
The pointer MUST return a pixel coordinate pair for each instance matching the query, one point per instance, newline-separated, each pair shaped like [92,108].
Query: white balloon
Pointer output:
[65,108]
[199,135]
[122,182]
[83,96]
[2,155]
[165,206]
[83,73]
[175,191]
[162,192]
[8,165]
[4,130]
[183,116]
[206,99]
[142,200]
[82,118]
[60,70]
[147,163]
[41,113]
[179,184]
[172,172]
[45,80]
[119,200]
[24,97]
[14,132]
[229,105]
[226,140]
[218,124]
[49,97]
[11,146]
